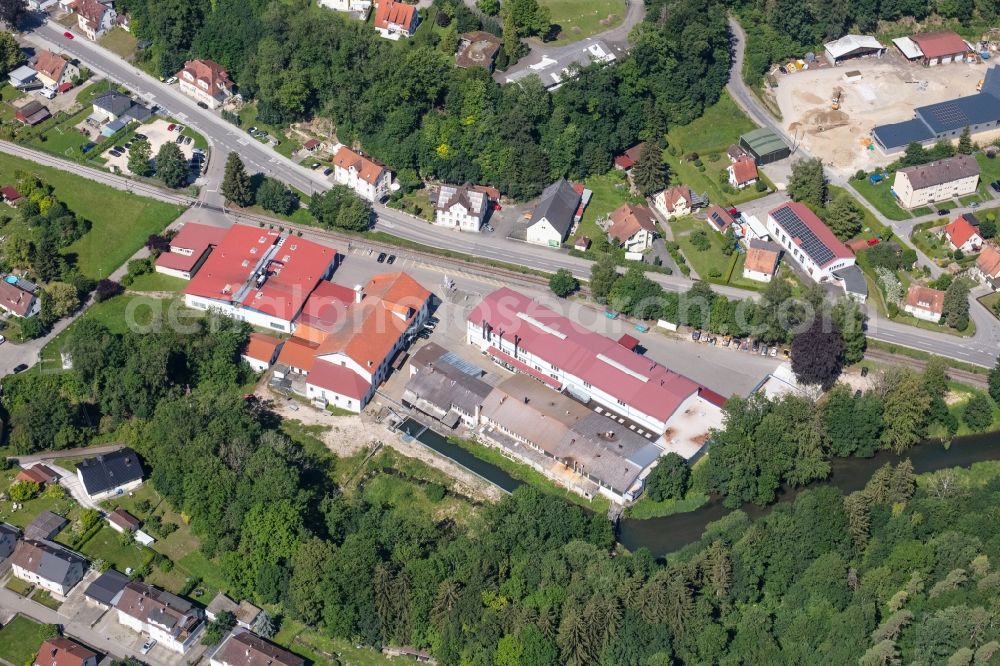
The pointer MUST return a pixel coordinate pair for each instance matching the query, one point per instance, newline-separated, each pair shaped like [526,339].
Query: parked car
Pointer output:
[188,140]
[141,136]
[497,206]
[488,227]
[68,35]
[995,185]
[252,130]
[179,139]
[170,127]
[391,259]
[20,367]
[864,371]
[128,145]
[114,153]
[974,204]
[87,147]
[424,335]
[315,165]
[745,345]
[696,335]
[147,646]
[857,394]
[327,171]
[433,320]
[2,339]
[773,352]
[120,149]
[381,257]
[943,211]
[172,80]
[755,347]
[203,105]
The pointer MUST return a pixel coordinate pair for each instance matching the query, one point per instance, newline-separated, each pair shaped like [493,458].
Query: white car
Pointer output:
[2,339]
[171,80]
[147,646]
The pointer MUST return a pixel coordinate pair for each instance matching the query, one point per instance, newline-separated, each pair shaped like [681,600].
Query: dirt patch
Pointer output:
[810,98]
[612,19]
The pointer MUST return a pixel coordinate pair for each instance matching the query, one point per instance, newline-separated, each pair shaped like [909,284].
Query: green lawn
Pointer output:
[923,210]
[989,170]
[20,639]
[8,94]
[64,506]
[719,127]
[106,545]
[119,42]
[610,191]
[121,221]
[287,143]
[872,227]
[931,244]
[711,264]
[44,598]
[18,586]
[321,650]
[973,198]
[992,303]
[881,197]
[157,282]
[579,19]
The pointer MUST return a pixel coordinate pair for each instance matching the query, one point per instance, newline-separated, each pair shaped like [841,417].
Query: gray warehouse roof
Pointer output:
[904,133]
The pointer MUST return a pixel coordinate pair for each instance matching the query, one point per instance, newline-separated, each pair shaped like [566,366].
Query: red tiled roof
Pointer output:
[298,353]
[211,73]
[925,298]
[673,194]
[194,237]
[988,261]
[92,12]
[744,170]
[124,519]
[293,271]
[368,170]
[600,361]
[762,258]
[15,299]
[49,64]
[857,245]
[9,193]
[40,474]
[960,231]
[396,13]
[310,144]
[938,44]
[64,86]
[628,159]
[816,226]
[338,378]
[628,342]
[261,347]
[61,651]
[325,307]
[719,217]
[629,219]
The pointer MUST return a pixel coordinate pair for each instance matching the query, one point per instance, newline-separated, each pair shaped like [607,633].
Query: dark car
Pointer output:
[20,367]
[120,149]
[179,139]
[141,136]
[327,171]
[203,105]
[381,257]
[87,147]
[695,335]
[995,185]
[115,153]
[944,211]
[187,141]
[864,371]
[857,394]
[391,259]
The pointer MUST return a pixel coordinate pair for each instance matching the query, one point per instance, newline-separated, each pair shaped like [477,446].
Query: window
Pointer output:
[587,384]
[621,402]
[278,325]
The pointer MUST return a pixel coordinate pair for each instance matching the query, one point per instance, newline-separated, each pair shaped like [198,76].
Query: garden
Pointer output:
[21,637]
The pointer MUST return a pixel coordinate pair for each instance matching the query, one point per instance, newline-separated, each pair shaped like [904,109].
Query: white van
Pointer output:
[48,92]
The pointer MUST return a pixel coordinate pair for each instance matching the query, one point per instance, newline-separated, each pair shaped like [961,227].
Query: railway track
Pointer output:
[964,376]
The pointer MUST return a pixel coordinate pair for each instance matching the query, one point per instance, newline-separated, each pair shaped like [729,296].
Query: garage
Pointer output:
[849,47]
[765,146]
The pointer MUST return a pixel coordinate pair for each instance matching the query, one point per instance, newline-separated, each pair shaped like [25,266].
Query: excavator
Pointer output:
[835,100]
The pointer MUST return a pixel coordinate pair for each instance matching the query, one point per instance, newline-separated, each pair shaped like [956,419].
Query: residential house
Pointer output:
[32,113]
[17,301]
[173,622]
[247,615]
[743,173]
[945,179]
[95,18]
[189,248]
[105,591]
[8,540]
[38,473]
[963,235]
[924,303]
[627,160]
[261,351]
[353,360]
[461,207]
[53,70]
[122,521]
[10,195]
[477,49]
[674,201]
[761,262]
[44,526]
[719,218]
[988,267]
[369,179]
[206,81]
[395,19]
[736,152]
[47,565]
[553,217]
[259,276]
[808,241]
[632,227]
[243,648]
[110,474]
[749,227]
[110,106]
[524,336]
[60,651]
[357,8]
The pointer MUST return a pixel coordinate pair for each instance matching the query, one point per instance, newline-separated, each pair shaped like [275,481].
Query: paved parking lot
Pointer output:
[157,134]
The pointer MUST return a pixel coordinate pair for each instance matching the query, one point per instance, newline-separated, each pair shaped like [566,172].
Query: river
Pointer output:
[671,533]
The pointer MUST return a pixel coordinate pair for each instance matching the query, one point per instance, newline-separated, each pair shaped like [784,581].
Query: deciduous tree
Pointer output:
[563,283]
[139,155]
[808,182]
[818,354]
[171,167]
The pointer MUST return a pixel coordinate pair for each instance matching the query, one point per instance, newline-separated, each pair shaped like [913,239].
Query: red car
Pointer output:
[68,35]
[170,127]
[497,206]
[872,241]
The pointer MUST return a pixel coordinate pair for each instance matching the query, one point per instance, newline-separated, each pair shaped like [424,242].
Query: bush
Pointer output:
[698,163]
[435,492]
[761,186]
[22,491]
[860,174]
[714,157]
[959,255]
[700,241]
[107,289]
[978,412]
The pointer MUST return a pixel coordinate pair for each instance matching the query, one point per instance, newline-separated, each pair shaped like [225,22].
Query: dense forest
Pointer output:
[897,572]
[407,104]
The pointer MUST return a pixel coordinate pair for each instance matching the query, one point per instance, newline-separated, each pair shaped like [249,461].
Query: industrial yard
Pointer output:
[887,90]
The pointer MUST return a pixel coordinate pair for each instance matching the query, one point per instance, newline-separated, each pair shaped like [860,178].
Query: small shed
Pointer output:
[628,342]
[32,113]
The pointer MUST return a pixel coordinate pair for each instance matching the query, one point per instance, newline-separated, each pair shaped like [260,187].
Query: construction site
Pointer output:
[831,111]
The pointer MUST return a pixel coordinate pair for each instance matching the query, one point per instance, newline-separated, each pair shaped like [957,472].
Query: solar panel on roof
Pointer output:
[461,364]
[796,228]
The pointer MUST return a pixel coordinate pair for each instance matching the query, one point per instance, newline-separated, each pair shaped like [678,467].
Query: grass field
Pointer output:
[992,303]
[248,118]
[323,650]
[120,221]
[989,170]
[20,639]
[579,19]
[106,545]
[711,264]
[44,598]
[157,282]
[64,506]
[119,42]
[719,127]
[610,191]
[881,198]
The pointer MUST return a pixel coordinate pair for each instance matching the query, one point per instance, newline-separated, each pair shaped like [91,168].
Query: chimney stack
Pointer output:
[358,294]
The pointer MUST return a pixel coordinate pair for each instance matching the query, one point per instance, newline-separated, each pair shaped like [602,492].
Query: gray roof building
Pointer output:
[558,205]
[242,648]
[147,604]
[109,471]
[45,526]
[941,172]
[446,393]
[854,281]
[113,102]
[49,561]
[8,539]
[106,588]
[944,120]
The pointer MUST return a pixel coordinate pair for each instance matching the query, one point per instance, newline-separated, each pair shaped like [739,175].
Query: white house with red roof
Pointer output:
[674,201]
[95,18]
[206,81]
[522,335]
[260,276]
[261,351]
[808,241]
[963,235]
[369,179]
[355,357]
[988,267]
[396,19]
[189,248]
[743,173]
[17,301]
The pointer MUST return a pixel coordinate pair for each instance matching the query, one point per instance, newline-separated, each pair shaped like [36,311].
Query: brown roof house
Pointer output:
[395,19]
[32,113]
[369,179]
[40,474]
[674,201]
[123,521]
[243,648]
[477,49]
[95,18]
[246,613]
[61,651]
[743,173]
[53,70]
[632,227]
[206,81]
[945,179]
[173,622]
[761,262]
[47,565]
[461,207]
[924,303]
[17,301]
[988,267]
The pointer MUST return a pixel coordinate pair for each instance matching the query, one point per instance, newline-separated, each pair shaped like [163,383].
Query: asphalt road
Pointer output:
[225,137]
